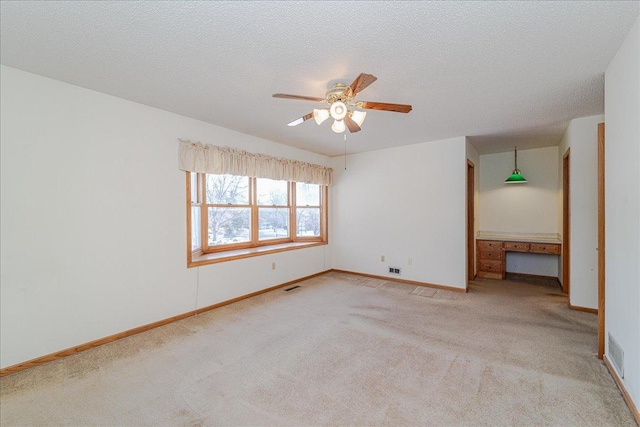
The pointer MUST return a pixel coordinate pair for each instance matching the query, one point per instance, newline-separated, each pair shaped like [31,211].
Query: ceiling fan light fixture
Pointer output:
[340,97]
[358,117]
[338,110]
[338,126]
[320,115]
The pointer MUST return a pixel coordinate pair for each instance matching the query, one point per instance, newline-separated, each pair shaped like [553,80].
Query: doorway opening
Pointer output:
[566,225]
[601,246]
[471,235]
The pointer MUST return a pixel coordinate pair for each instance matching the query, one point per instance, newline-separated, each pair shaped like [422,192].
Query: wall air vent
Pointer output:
[616,355]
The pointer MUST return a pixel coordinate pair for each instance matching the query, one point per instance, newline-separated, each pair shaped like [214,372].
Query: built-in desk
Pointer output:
[491,251]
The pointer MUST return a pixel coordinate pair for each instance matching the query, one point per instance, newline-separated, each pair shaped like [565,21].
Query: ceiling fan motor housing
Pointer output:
[336,91]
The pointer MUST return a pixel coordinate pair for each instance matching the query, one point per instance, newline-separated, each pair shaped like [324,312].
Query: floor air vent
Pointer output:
[616,355]
[291,288]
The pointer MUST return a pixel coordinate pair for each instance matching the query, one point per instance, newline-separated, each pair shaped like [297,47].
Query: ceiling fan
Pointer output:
[340,98]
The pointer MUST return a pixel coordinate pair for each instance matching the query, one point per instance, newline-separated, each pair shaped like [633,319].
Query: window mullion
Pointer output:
[293,221]
[253,202]
[190,224]
[324,212]
[204,214]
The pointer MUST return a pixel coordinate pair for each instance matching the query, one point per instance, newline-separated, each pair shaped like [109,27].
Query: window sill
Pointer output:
[212,258]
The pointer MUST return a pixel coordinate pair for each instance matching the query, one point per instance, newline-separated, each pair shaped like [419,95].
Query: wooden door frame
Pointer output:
[471,237]
[566,222]
[601,240]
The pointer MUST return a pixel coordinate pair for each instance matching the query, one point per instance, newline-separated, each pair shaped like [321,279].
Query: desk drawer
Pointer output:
[491,266]
[485,245]
[545,248]
[489,254]
[516,246]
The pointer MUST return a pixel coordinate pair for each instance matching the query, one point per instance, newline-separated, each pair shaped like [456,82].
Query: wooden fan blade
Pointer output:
[351,124]
[305,98]
[398,108]
[359,84]
[299,120]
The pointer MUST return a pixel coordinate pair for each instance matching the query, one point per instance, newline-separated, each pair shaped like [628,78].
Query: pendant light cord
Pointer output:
[345,151]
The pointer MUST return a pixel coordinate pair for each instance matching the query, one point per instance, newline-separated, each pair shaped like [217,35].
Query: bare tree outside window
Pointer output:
[273,211]
[231,223]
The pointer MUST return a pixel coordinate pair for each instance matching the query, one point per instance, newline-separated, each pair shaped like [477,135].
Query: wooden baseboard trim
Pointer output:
[585,309]
[82,347]
[623,390]
[411,282]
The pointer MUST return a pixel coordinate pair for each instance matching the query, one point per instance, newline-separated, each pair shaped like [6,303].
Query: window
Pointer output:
[238,216]
[308,210]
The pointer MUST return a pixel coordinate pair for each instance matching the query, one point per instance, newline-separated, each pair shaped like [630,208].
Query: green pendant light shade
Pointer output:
[516,177]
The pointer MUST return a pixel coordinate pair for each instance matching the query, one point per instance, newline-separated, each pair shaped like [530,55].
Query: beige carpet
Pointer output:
[340,350]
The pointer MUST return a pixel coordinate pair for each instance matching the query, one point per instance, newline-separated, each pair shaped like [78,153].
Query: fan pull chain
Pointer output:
[345,151]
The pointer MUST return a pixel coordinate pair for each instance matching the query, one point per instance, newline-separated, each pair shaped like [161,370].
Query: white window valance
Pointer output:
[207,158]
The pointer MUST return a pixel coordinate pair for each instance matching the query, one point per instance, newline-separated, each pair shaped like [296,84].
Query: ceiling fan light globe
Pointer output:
[338,110]
[320,115]
[358,117]
[338,126]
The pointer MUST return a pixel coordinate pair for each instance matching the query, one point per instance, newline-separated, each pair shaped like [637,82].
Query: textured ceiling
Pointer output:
[503,73]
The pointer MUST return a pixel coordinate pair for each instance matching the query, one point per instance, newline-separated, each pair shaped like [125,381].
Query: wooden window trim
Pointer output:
[199,259]
[209,255]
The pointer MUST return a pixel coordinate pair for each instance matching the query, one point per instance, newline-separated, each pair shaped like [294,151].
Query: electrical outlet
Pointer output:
[273,265]
[394,270]
[382,258]
[410,261]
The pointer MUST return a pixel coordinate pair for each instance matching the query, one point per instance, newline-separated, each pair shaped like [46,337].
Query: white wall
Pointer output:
[582,138]
[406,202]
[529,208]
[622,205]
[93,218]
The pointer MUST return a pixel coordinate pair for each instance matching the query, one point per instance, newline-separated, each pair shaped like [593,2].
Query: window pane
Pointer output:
[227,189]
[194,187]
[195,227]
[272,193]
[229,226]
[308,221]
[274,223]
[307,194]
